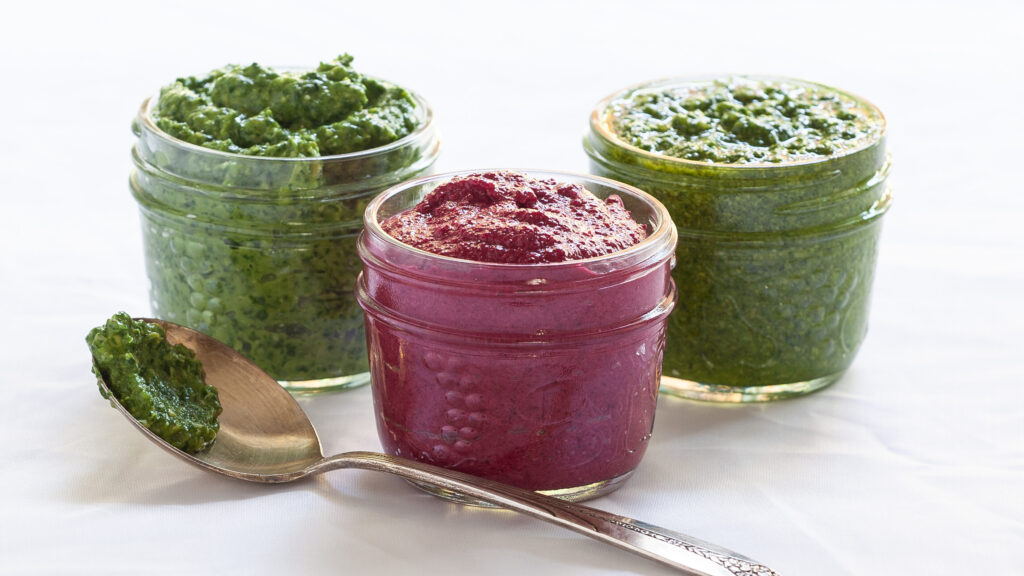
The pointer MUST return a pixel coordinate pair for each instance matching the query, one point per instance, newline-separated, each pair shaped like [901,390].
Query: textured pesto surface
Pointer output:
[260,253]
[743,121]
[515,218]
[162,386]
[774,263]
[257,111]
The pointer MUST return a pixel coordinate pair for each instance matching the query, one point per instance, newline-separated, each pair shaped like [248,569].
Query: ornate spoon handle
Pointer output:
[686,554]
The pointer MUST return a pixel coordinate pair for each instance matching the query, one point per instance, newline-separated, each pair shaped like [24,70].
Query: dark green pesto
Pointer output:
[162,386]
[743,121]
[258,111]
[260,252]
[775,260]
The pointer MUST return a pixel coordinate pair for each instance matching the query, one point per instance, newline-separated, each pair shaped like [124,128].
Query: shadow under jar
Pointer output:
[260,252]
[775,257]
[544,376]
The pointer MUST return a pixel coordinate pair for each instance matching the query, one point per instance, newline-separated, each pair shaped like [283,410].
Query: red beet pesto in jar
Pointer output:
[528,348]
[512,218]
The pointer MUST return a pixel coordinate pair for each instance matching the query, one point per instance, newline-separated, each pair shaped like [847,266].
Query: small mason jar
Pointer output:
[774,261]
[260,252]
[543,376]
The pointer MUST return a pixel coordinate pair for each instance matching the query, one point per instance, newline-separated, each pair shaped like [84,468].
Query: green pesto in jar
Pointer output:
[250,237]
[257,111]
[777,236]
[162,386]
[743,121]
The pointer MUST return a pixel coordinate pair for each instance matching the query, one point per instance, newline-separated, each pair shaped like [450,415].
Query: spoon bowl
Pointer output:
[265,437]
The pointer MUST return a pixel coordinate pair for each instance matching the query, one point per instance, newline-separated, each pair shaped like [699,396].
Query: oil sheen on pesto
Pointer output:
[743,121]
[161,385]
[258,111]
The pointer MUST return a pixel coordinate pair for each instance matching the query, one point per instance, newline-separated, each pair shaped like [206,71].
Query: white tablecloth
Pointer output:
[912,464]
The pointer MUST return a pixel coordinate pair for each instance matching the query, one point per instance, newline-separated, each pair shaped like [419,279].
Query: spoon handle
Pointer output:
[685,553]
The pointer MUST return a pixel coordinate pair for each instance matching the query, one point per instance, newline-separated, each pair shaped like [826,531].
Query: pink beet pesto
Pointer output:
[512,218]
[538,366]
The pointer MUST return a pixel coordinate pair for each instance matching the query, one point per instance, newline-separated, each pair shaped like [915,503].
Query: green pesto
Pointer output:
[775,261]
[257,111]
[260,252]
[162,386]
[743,121]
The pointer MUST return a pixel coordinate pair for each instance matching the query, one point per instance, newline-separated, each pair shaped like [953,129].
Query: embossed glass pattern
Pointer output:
[544,376]
[775,261]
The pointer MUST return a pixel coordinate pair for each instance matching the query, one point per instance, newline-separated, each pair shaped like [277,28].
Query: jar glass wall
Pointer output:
[775,261]
[260,252]
[544,376]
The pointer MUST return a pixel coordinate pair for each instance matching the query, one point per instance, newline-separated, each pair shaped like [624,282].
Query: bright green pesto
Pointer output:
[257,111]
[161,385]
[743,121]
[250,237]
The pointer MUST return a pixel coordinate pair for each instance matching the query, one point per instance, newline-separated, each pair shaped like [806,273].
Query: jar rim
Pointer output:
[145,114]
[663,235]
[600,125]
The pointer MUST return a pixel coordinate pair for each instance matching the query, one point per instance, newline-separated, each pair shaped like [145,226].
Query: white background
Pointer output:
[912,464]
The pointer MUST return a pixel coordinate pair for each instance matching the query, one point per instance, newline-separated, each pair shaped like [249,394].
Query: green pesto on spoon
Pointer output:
[266,437]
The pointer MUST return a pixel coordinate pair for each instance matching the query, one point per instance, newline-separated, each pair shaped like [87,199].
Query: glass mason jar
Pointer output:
[260,252]
[544,376]
[774,261]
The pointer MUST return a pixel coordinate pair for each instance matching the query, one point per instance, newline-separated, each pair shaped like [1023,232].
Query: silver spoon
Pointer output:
[266,437]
